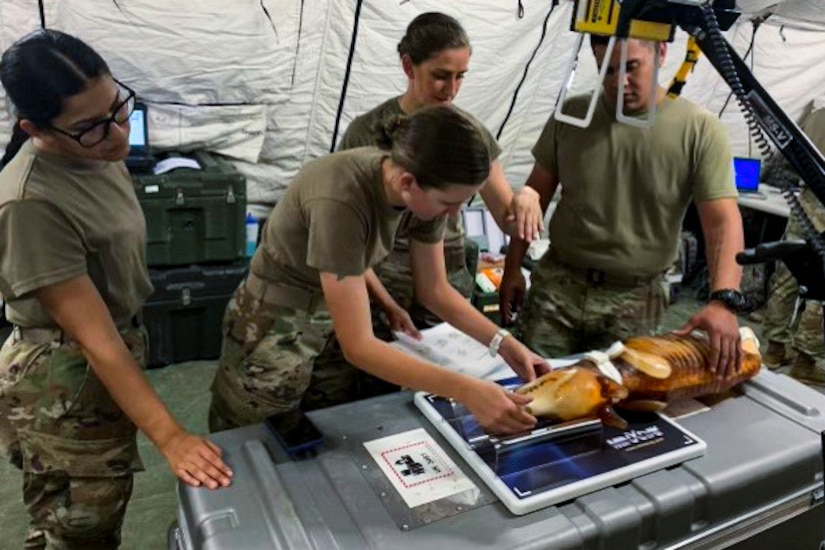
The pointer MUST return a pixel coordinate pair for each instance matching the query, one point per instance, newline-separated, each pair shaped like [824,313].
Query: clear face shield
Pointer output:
[646,121]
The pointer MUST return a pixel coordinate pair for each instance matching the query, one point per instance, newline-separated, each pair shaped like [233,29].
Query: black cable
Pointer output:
[753,55]
[728,71]
[744,58]
[269,17]
[297,43]
[351,55]
[524,75]
[527,68]
[42,14]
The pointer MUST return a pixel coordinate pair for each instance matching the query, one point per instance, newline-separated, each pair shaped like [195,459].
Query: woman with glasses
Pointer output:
[74,278]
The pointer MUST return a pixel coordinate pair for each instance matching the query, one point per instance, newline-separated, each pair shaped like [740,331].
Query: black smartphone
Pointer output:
[294,431]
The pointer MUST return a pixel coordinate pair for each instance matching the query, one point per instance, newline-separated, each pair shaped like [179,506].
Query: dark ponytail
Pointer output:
[39,72]
[430,33]
[387,128]
[438,145]
[18,138]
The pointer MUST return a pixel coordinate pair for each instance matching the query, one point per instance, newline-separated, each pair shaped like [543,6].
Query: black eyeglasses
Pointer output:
[99,131]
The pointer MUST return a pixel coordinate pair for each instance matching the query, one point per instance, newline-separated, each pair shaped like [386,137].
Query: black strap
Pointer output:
[343,97]
[748,52]
[822,439]
[553,5]
[42,14]
[297,42]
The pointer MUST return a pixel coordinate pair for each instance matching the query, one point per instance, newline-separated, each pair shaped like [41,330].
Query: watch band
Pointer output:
[495,343]
[731,298]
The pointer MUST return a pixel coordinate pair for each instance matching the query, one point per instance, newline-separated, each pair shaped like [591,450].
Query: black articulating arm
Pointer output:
[704,22]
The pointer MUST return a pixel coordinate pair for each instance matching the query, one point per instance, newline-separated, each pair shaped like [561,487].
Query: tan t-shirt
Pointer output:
[333,218]
[362,131]
[814,127]
[62,218]
[625,189]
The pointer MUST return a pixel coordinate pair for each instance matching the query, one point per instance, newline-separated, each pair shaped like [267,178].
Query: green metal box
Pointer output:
[194,215]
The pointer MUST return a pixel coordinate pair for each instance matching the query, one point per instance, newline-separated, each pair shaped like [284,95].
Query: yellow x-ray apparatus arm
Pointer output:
[680,78]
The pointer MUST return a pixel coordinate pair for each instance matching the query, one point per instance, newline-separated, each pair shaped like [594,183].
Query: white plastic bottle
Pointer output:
[251,234]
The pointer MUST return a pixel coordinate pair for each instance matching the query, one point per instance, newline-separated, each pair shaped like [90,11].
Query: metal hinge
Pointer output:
[230,195]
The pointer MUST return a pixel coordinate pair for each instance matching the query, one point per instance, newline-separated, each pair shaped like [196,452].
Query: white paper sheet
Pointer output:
[173,163]
[417,467]
[447,346]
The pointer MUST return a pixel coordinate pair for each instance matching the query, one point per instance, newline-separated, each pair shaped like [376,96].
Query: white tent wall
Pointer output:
[786,59]
[17,17]
[261,81]
[502,45]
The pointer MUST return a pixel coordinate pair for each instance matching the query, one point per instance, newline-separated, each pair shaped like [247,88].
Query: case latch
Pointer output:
[186,296]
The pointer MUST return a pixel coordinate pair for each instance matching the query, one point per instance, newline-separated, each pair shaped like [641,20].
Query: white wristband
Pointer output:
[495,343]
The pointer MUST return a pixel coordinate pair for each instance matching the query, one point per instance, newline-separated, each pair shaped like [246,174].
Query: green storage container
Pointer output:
[194,215]
[183,316]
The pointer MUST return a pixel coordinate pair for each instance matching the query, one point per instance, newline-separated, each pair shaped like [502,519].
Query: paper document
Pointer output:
[448,347]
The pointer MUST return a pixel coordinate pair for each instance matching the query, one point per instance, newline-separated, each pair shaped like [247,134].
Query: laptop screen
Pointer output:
[746,173]
[138,131]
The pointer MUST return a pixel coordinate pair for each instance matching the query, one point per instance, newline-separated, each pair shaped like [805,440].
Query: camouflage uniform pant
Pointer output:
[564,314]
[277,359]
[76,448]
[807,333]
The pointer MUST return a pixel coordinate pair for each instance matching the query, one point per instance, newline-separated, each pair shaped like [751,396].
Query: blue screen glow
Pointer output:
[746,173]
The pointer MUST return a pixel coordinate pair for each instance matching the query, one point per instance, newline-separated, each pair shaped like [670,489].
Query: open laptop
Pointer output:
[480,226]
[746,174]
[139,160]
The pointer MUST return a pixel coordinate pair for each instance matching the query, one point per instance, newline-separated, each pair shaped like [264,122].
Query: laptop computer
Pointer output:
[139,159]
[480,226]
[746,174]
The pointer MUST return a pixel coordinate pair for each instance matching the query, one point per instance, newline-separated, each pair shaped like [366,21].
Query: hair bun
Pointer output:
[386,130]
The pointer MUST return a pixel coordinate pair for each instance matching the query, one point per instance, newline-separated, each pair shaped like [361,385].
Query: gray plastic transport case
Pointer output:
[758,486]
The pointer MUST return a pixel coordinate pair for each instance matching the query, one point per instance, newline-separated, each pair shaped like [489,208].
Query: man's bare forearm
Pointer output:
[724,239]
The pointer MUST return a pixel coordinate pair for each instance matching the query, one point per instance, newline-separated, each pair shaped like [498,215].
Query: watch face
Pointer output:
[731,298]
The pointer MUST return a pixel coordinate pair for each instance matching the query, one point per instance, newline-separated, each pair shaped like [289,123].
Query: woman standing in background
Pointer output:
[435,55]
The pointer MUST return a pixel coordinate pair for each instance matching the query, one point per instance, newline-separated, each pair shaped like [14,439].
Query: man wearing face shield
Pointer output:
[616,229]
